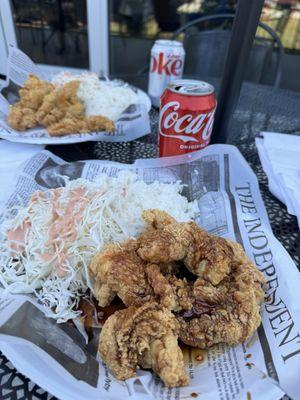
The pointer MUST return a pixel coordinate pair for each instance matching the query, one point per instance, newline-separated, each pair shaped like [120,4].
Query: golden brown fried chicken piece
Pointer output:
[163,291]
[22,115]
[88,124]
[221,305]
[157,219]
[71,125]
[225,298]
[167,240]
[57,109]
[96,123]
[61,104]
[208,256]
[34,91]
[21,118]
[119,270]
[258,279]
[183,292]
[232,313]
[62,112]
[144,336]
[172,293]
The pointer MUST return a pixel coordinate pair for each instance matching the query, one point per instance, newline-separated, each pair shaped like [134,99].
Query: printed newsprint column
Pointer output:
[230,205]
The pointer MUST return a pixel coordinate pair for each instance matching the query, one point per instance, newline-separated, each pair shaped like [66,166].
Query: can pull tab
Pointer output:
[188,89]
[191,87]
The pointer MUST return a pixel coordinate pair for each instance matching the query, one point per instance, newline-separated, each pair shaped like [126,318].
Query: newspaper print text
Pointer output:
[280,318]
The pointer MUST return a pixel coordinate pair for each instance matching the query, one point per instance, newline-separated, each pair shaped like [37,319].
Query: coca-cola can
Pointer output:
[187,109]
[166,65]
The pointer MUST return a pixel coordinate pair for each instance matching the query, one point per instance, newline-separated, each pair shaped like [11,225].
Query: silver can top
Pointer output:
[169,43]
[191,87]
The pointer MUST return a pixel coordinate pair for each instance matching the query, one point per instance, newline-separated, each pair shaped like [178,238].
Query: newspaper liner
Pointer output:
[56,356]
[132,124]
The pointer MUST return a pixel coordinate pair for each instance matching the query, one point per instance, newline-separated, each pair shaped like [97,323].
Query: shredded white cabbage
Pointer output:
[45,249]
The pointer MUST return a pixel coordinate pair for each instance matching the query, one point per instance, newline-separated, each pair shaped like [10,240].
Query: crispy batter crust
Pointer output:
[233,312]
[58,109]
[145,336]
[118,270]
[167,240]
[22,115]
[221,303]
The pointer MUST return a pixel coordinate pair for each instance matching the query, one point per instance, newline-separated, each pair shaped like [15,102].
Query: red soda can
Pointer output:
[187,109]
[167,60]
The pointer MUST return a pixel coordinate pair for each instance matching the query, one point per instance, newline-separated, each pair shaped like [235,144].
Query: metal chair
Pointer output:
[206,51]
[211,47]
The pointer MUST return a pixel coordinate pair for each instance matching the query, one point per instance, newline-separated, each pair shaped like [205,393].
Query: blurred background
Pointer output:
[56,32]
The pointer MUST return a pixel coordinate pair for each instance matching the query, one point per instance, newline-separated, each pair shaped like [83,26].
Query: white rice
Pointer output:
[103,98]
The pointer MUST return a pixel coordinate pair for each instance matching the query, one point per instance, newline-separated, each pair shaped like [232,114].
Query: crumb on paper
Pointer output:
[199,357]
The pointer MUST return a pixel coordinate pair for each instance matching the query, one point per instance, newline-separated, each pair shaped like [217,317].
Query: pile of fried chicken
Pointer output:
[58,109]
[219,303]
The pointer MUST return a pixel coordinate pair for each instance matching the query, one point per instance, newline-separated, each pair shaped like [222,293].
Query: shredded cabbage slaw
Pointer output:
[46,247]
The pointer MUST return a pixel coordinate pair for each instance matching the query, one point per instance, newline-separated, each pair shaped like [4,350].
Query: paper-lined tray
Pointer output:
[132,124]
[227,193]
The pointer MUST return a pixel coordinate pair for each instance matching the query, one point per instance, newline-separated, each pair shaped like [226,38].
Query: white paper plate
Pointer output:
[32,137]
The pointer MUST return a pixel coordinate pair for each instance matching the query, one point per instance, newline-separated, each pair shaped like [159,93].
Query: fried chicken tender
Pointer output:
[144,336]
[258,278]
[60,104]
[232,313]
[62,112]
[183,293]
[225,298]
[21,118]
[167,240]
[57,109]
[119,270]
[174,294]
[88,124]
[222,302]
[34,91]
[22,115]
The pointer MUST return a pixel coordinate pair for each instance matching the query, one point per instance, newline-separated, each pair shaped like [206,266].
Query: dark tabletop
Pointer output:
[260,108]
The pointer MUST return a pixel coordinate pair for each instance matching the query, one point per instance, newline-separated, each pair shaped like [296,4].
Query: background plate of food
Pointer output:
[69,108]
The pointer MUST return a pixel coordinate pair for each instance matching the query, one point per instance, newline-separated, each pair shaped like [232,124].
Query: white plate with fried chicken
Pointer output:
[73,108]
